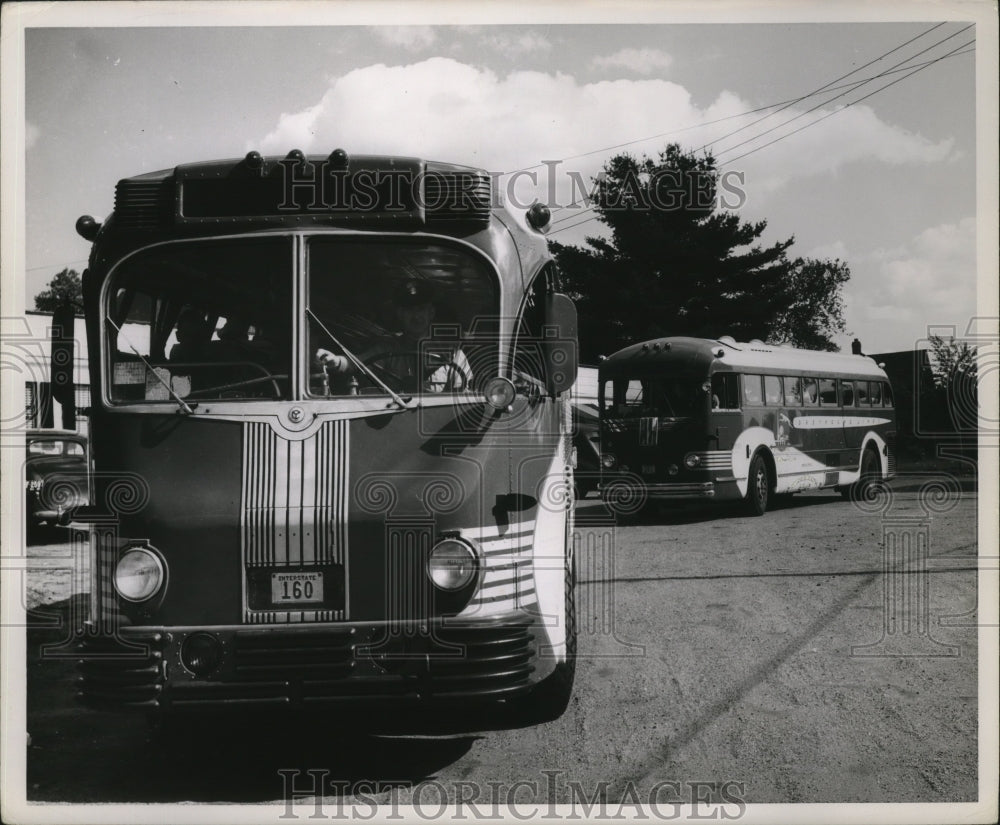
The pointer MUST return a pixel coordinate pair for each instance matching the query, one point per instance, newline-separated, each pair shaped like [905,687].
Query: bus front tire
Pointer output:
[549,699]
[758,487]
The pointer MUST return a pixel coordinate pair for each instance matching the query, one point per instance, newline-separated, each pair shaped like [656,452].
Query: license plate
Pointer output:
[648,469]
[296,588]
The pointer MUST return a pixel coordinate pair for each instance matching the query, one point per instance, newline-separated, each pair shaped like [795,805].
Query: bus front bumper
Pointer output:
[715,490]
[366,664]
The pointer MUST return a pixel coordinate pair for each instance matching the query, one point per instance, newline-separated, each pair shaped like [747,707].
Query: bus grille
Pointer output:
[457,196]
[143,204]
[719,461]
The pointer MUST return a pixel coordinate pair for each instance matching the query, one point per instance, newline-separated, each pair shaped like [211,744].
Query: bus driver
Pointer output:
[397,356]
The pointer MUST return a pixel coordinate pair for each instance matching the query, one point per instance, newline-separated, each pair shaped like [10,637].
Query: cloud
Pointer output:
[444,109]
[772,152]
[31,135]
[896,294]
[640,61]
[831,251]
[411,38]
[516,45]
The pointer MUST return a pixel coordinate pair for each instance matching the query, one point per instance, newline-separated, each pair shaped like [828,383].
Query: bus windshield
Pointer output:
[214,320]
[671,396]
[396,315]
[202,320]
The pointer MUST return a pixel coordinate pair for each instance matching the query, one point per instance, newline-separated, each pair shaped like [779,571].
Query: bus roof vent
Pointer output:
[457,197]
[143,204]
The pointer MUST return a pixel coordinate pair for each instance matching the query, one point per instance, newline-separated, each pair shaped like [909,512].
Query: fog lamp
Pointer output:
[608,461]
[201,653]
[452,564]
[673,469]
[499,392]
[692,460]
[138,574]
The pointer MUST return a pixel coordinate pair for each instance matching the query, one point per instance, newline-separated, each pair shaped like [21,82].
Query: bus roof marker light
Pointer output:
[295,155]
[254,161]
[720,352]
[87,228]
[337,160]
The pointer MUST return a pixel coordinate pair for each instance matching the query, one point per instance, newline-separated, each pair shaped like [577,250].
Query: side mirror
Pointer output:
[560,343]
[61,367]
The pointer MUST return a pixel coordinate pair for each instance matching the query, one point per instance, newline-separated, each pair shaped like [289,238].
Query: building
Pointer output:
[27,349]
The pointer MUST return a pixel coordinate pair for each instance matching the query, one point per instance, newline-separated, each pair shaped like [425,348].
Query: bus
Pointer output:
[330,436]
[690,418]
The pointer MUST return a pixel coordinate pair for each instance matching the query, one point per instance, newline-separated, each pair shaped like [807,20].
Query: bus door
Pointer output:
[726,422]
[853,394]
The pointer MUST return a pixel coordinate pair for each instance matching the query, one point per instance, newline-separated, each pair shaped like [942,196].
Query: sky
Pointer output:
[886,184]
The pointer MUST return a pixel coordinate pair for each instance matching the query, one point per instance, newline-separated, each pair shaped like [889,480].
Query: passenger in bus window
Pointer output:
[192,336]
[809,392]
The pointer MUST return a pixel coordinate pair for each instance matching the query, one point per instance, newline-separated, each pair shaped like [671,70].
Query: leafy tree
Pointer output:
[64,286]
[677,265]
[954,361]
[815,310]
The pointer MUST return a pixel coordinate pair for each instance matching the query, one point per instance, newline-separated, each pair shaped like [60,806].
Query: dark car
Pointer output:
[55,475]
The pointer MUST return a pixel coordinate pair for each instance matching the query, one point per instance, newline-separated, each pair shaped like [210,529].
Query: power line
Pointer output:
[852,103]
[855,84]
[578,223]
[910,70]
[784,104]
[843,94]
[826,87]
[54,266]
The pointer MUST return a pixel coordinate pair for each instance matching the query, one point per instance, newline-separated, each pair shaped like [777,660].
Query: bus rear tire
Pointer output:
[869,474]
[758,487]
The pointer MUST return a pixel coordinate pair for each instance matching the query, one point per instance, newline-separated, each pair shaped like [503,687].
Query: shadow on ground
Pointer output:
[76,754]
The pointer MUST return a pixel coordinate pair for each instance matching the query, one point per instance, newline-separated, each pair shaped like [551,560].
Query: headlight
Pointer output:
[692,460]
[608,461]
[452,564]
[138,575]
[499,392]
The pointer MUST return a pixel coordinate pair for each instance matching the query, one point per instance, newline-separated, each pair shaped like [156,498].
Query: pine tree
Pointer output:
[676,264]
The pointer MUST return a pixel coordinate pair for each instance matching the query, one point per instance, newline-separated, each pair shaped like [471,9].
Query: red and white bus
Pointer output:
[686,418]
[331,441]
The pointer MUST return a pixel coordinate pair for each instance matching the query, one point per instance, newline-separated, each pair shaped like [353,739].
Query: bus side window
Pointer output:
[793,392]
[875,391]
[887,393]
[772,391]
[828,392]
[725,391]
[861,392]
[846,393]
[810,392]
[752,396]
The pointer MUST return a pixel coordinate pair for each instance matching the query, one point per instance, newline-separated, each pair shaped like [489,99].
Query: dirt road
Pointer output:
[816,654]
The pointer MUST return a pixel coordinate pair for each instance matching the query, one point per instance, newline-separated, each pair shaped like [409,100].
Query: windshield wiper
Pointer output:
[403,403]
[184,406]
